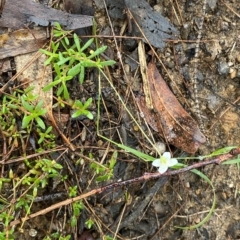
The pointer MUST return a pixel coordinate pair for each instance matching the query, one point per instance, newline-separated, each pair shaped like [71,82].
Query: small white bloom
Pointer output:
[164,162]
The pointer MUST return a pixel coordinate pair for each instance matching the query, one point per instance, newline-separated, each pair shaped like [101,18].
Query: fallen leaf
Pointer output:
[155,27]
[168,117]
[21,42]
[36,74]
[17,13]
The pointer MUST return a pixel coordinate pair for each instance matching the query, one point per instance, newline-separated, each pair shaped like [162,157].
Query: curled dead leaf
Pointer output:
[168,117]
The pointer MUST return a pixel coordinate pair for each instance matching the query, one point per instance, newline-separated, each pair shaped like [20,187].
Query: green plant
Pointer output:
[71,61]
[22,121]
[76,206]
[89,223]
[23,108]
[36,178]
[34,113]
[107,238]
[105,171]
[82,109]
[47,138]
[58,236]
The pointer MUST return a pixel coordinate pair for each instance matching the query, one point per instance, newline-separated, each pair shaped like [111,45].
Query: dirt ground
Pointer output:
[153,209]
[185,199]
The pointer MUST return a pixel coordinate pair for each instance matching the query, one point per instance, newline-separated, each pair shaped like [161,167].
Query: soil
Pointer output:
[153,209]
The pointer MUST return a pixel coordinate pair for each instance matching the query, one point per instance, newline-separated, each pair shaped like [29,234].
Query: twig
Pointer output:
[147,176]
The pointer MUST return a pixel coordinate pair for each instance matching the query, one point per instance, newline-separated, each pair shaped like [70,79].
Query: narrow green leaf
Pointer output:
[65,91]
[74,70]
[57,33]
[51,85]
[73,221]
[232,161]
[66,78]
[77,114]
[59,91]
[71,62]
[26,105]
[102,178]
[26,120]
[87,44]
[88,114]
[39,105]
[66,47]
[42,112]
[40,123]
[40,140]
[97,52]
[60,56]
[48,61]
[78,104]
[113,160]
[64,60]
[66,40]
[89,63]
[77,42]
[87,103]
[49,129]
[46,52]
[57,69]
[81,74]
[141,155]
[108,63]
[221,151]
[57,26]
[55,47]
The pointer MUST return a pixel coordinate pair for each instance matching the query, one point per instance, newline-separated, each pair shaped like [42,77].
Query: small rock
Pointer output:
[160,146]
[223,68]
[224,26]
[32,232]
[233,73]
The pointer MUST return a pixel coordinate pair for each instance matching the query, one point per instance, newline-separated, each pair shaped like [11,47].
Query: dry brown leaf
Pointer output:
[143,69]
[21,42]
[37,74]
[169,118]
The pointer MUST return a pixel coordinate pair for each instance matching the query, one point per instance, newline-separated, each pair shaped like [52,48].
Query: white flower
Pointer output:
[164,162]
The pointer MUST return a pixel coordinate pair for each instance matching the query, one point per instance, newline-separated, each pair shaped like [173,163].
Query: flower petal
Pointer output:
[162,169]
[156,163]
[172,162]
[167,155]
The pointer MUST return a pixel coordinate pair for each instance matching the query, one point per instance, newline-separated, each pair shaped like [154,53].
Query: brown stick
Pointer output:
[146,176]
